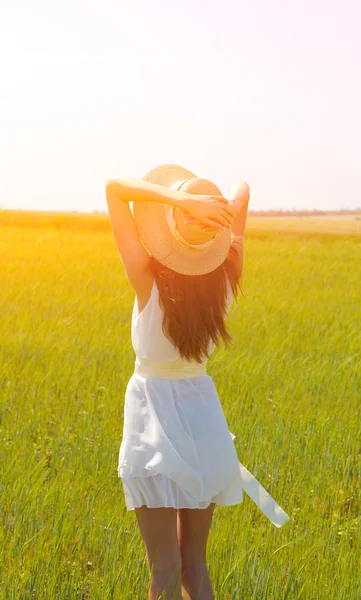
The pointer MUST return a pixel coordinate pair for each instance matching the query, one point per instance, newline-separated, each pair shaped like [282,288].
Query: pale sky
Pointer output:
[266,90]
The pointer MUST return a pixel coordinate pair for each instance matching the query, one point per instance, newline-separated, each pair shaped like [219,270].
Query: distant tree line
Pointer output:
[302,213]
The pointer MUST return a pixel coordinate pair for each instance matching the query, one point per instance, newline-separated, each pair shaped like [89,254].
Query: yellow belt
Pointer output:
[179,369]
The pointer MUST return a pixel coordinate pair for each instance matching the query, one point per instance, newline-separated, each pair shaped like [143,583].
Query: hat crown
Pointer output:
[193,233]
[198,185]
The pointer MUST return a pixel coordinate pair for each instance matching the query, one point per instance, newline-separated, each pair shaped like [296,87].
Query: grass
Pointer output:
[290,387]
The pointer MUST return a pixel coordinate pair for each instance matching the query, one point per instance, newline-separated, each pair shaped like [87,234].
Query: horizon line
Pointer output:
[250,212]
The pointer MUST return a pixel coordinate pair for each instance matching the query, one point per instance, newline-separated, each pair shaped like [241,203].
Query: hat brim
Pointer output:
[155,233]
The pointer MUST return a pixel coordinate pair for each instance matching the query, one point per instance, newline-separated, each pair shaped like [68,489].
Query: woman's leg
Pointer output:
[158,528]
[193,528]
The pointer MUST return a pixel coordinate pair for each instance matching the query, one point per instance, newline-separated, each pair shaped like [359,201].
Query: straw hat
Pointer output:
[157,228]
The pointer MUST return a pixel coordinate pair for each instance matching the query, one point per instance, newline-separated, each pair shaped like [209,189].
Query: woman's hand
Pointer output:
[209,211]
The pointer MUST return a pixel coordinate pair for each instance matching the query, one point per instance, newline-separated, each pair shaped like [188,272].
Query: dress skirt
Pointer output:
[177,450]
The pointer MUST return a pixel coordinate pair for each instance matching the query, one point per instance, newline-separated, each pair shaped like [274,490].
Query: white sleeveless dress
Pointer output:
[176,449]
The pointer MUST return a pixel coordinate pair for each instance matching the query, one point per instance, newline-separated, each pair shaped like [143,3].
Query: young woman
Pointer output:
[182,249]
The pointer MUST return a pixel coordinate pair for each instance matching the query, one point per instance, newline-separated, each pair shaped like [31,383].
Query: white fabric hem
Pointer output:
[159,491]
[144,487]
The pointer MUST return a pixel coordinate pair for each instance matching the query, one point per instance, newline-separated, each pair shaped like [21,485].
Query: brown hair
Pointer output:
[195,305]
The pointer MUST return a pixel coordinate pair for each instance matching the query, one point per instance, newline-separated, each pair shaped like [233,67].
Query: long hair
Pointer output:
[195,305]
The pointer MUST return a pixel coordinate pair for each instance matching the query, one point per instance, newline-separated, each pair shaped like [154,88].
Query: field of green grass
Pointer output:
[290,387]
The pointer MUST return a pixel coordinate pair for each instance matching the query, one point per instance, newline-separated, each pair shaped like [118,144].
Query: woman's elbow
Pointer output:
[240,191]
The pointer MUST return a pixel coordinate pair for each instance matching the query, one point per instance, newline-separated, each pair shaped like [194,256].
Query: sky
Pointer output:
[269,91]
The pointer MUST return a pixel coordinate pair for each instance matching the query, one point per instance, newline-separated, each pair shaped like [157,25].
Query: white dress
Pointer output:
[176,449]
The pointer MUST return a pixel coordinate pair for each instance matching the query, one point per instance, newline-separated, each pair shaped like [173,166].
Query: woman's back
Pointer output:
[149,341]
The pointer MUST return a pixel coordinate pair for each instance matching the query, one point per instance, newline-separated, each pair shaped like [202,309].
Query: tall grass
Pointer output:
[290,387]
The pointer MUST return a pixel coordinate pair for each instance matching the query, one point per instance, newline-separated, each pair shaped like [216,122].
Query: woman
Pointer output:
[182,249]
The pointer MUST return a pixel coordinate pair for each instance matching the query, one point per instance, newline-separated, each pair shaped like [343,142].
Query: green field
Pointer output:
[290,387]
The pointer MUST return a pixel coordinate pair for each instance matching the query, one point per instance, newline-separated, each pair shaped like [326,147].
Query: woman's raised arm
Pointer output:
[239,199]
[128,189]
